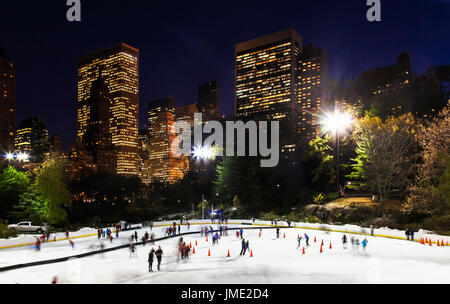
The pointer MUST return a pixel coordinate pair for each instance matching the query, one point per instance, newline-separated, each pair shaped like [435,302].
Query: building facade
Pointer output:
[312,74]
[186,113]
[162,164]
[118,67]
[155,107]
[7,102]
[208,100]
[384,87]
[32,138]
[265,70]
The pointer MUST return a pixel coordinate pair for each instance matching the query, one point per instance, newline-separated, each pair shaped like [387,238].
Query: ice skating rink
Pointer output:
[275,260]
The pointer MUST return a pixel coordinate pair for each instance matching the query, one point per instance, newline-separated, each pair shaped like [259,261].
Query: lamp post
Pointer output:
[335,123]
[203,153]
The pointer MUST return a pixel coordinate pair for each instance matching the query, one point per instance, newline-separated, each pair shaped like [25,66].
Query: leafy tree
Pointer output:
[13,184]
[386,154]
[48,196]
[429,194]
[321,150]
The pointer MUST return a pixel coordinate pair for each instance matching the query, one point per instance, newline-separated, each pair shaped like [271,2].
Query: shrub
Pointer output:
[270,216]
[312,219]
[294,217]
[6,232]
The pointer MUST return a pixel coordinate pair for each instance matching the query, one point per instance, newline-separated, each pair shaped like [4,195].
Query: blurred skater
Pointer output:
[244,247]
[151,255]
[159,254]
[364,244]
[344,241]
[37,244]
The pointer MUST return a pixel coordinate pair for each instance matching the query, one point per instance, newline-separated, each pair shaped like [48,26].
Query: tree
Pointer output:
[321,150]
[386,154]
[429,193]
[48,195]
[13,184]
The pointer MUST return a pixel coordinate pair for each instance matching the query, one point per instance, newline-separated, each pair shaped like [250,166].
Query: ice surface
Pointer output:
[274,260]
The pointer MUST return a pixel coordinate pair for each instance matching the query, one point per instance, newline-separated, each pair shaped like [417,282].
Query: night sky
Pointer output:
[188,42]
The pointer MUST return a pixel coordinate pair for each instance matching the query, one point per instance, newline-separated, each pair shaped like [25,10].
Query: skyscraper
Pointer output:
[186,113]
[266,85]
[118,67]
[155,107]
[162,164]
[7,102]
[98,139]
[311,83]
[32,137]
[208,100]
[384,87]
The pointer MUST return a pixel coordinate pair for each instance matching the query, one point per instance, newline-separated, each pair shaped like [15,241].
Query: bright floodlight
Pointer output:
[9,156]
[203,153]
[336,122]
[22,156]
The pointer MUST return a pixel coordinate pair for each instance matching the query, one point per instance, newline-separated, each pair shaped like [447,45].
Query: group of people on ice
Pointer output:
[244,247]
[106,233]
[183,249]
[172,230]
[151,256]
[355,242]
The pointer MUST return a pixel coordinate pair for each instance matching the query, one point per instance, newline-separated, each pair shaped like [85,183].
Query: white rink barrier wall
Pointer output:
[25,240]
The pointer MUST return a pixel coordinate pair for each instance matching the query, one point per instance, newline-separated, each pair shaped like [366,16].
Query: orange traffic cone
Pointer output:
[209,252]
[251,253]
[298,236]
[206,238]
[260,234]
[437,242]
[284,235]
[426,240]
[219,236]
[228,255]
[430,242]
[190,245]
[195,242]
[314,239]
[321,249]
[303,250]
[193,251]
[322,243]
[330,245]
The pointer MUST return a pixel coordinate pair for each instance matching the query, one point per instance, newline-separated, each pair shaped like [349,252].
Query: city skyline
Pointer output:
[164,71]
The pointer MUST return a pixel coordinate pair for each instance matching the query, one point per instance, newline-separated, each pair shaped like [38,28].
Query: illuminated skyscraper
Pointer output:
[7,102]
[311,82]
[97,139]
[162,164]
[266,85]
[157,106]
[32,137]
[186,113]
[118,66]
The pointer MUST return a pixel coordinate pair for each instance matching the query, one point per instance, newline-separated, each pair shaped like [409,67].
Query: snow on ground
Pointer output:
[274,261]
